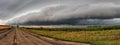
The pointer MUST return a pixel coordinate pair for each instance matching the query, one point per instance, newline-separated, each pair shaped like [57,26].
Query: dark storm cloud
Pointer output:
[57,12]
[8,8]
[70,15]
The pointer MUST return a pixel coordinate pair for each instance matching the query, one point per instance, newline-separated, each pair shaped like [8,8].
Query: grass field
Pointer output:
[105,35]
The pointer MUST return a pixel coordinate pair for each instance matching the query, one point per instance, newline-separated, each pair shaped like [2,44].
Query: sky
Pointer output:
[60,12]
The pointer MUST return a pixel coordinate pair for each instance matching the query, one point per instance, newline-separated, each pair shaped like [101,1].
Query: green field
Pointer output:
[98,35]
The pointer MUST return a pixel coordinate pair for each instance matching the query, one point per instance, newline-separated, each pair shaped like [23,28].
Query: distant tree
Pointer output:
[17,25]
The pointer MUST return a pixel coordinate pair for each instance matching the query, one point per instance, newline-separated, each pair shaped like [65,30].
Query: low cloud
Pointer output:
[64,14]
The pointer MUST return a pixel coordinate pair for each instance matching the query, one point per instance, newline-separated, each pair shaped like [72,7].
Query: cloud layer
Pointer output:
[65,14]
[60,12]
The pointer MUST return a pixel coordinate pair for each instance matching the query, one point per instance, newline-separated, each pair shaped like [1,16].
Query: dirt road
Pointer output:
[18,37]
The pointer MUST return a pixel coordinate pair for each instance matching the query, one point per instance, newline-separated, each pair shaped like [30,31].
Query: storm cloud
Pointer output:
[64,12]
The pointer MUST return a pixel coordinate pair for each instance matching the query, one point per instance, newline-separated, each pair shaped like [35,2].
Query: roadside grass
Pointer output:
[104,36]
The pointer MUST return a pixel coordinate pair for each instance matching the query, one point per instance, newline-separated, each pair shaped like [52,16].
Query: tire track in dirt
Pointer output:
[33,40]
[7,38]
[36,41]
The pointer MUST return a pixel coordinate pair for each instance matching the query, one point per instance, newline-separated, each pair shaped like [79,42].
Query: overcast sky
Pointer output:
[60,12]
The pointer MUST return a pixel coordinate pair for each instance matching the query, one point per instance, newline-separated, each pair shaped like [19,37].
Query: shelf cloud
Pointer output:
[64,12]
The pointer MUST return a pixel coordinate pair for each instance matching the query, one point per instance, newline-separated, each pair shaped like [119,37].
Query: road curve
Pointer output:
[16,36]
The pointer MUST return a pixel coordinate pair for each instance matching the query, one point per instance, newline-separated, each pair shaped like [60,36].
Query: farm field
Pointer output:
[4,27]
[103,35]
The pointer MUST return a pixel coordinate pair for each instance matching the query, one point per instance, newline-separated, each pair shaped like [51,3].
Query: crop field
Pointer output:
[98,35]
[4,27]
